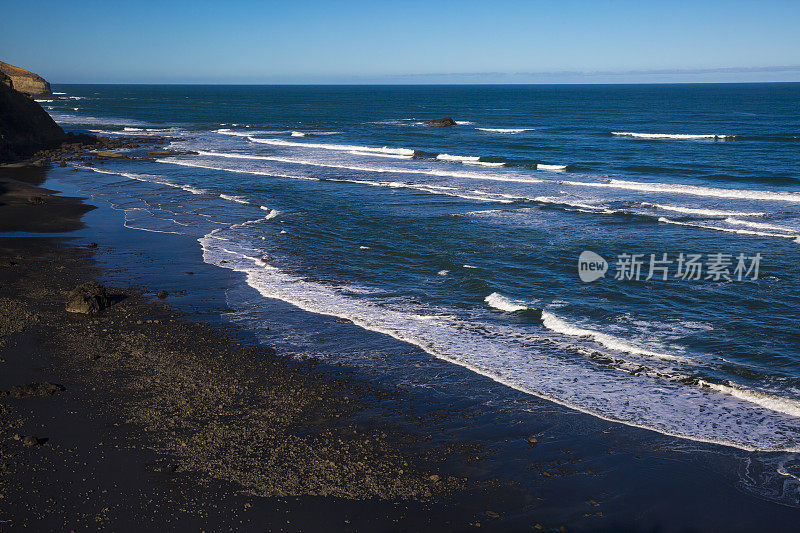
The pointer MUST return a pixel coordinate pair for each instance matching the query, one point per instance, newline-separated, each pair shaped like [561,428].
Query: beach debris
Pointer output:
[33,390]
[492,514]
[441,122]
[30,441]
[90,298]
[37,200]
[162,294]
[92,245]
[533,441]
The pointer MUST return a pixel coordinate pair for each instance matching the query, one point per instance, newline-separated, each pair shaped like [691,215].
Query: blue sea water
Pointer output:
[465,241]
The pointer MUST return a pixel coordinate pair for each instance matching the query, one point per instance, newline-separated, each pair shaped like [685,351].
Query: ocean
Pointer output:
[465,242]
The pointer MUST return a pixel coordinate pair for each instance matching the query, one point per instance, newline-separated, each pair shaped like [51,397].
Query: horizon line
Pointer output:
[562,77]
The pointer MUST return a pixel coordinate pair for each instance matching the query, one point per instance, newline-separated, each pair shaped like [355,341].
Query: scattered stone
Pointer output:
[434,478]
[30,441]
[7,262]
[33,390]
[90,298]
[111,155]
[92,245]
[441,122]
[37,200]
[492,514]
[533,441]
[162,294]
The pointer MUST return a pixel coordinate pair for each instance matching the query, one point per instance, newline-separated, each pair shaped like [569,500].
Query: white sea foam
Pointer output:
[704,212]
[469,266]
[232,198]
[542,166]
[226,131]
[755,233]
[433,189]
[464,122]
[684,136]
[448,157]
[339,147]
[559,325]
[393,170]
[298,134]
[693,190]
[760,225]
[148,178]
[171,161]
[131,129]
[378,154]
[579,206]
[443,272]
[770,401]
[483,164]
[511,131]
[498,301]
[521,361]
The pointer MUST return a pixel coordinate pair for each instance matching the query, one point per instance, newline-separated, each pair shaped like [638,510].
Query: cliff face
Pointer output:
[24,126]
[26,82]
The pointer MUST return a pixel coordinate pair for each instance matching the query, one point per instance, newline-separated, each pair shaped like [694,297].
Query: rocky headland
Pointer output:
[26,82]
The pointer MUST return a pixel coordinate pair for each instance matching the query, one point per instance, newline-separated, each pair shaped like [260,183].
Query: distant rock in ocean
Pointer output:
[26,82]
[441,122]
[25,127]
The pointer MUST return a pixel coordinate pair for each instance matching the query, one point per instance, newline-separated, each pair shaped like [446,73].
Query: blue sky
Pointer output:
[343,41]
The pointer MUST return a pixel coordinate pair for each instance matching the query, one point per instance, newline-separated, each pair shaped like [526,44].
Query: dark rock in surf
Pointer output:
[441,122]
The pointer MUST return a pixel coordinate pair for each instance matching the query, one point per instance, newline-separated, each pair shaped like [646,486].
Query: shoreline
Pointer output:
[182,398]
[584,476]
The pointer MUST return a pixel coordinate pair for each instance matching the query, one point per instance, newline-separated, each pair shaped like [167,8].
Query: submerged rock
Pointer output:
[90,298]
[441,122]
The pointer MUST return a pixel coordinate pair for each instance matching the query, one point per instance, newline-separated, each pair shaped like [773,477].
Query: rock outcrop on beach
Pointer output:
[90,298]
[25,127]
[26,82]
[441,122]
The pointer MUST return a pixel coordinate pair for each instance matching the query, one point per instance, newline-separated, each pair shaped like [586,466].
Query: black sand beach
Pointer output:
[153,421]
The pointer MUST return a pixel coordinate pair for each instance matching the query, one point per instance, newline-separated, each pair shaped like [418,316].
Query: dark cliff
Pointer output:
[24,126]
